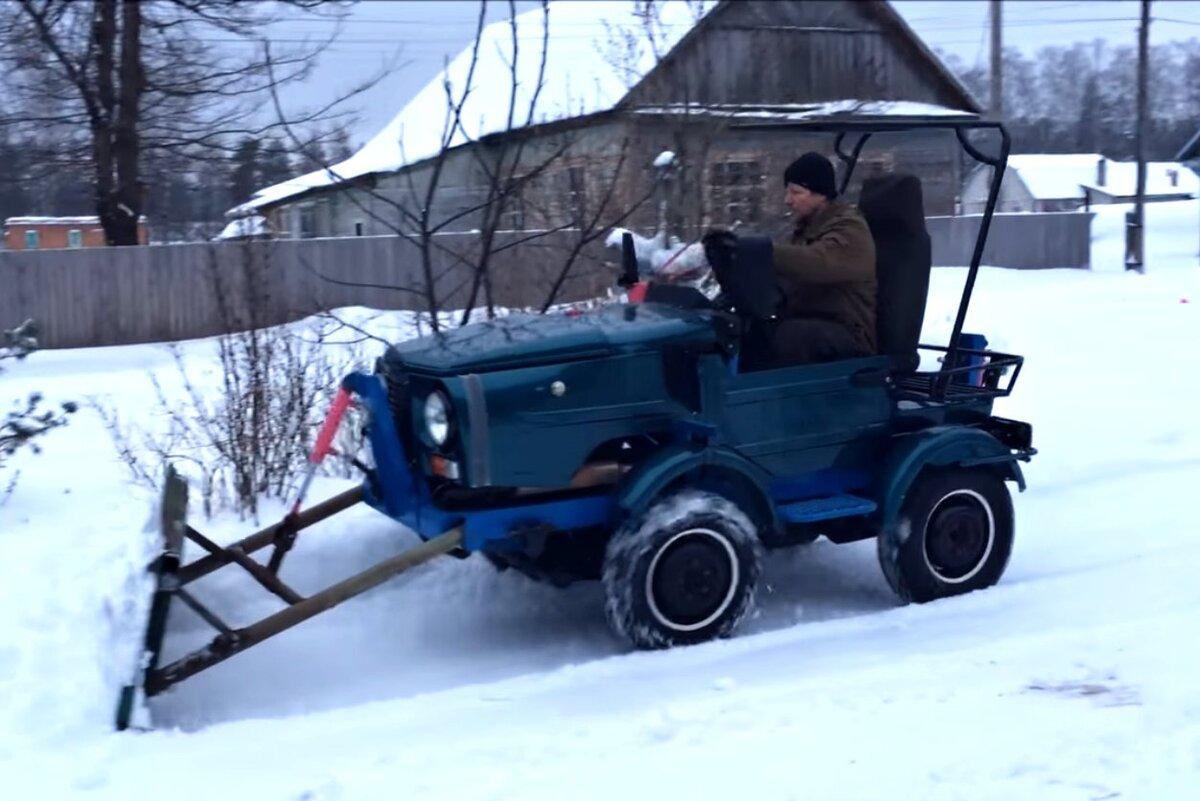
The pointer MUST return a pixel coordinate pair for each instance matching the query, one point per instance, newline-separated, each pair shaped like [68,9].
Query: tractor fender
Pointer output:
[725,472]
[940,446]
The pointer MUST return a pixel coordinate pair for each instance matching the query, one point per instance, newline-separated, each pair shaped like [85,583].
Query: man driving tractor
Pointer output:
[825,270]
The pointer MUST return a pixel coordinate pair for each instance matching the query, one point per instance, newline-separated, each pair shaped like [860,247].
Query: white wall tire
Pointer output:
[954,535]
[682,573]
[956,551]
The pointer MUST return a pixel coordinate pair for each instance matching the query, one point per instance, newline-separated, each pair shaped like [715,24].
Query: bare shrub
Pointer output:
[244,430]
[26,419]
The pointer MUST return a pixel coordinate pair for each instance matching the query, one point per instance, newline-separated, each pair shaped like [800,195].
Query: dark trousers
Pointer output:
[798,340]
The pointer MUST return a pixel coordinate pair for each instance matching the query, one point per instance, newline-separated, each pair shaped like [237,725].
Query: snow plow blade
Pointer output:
[172,578]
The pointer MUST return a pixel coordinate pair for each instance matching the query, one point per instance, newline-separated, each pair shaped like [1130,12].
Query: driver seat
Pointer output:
[893,206]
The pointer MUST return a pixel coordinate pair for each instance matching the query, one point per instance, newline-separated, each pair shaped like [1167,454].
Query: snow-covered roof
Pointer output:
[791,112]
[79,220]
[586,42]
[1065,175]
[252,225]
[1162,178]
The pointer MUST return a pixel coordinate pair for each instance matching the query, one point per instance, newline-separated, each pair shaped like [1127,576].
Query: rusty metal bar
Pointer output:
[261,539]
[263,576]
[226,645]
[200,609]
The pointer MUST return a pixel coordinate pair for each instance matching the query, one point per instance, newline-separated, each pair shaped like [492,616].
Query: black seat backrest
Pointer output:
[894,208]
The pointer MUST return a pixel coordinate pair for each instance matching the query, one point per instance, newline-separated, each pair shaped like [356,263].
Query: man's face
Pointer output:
[803,202]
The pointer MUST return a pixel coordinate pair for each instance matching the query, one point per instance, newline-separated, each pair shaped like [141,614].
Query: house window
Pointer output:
[31,240]
[358,228]
[514,211]
[736,190]
[308,221]
[74,238]
[572,194]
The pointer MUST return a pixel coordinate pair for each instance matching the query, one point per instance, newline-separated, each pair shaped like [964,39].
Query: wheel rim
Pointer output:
[692,579]
[959,536]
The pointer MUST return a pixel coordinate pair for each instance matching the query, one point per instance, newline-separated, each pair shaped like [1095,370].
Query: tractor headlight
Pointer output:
[437,417]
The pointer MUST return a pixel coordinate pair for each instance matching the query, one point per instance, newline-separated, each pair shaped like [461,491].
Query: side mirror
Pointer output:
[629,265]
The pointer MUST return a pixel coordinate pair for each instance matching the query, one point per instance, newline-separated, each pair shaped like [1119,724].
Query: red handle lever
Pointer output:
[341,402]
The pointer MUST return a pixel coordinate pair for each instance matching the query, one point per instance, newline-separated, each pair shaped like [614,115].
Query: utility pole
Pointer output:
[1135,250]
[997,99]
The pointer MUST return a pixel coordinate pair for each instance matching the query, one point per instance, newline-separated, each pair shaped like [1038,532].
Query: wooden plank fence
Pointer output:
[1019,241]
[162,293]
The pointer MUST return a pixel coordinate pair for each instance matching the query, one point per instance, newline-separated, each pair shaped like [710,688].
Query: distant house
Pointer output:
[1074,181]
[46,233]
[734,62]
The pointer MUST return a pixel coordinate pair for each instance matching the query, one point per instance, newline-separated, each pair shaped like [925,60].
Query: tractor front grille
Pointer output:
[399,396]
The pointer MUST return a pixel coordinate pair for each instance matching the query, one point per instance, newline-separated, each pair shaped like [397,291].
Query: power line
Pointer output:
[1032,23]
[1176,21]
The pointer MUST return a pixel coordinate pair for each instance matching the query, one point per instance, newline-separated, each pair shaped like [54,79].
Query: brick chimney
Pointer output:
[1101,171]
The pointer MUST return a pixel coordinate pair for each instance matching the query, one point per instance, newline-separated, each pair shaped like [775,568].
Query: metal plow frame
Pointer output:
[172,578]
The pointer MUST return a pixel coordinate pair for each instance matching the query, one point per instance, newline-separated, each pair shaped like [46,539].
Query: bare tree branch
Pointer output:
[146,81]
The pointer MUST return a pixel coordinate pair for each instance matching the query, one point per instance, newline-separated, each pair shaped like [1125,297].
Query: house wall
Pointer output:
[818,50]
[53,236]
[555,169]
[726,176]
[736,175]
[1014,195]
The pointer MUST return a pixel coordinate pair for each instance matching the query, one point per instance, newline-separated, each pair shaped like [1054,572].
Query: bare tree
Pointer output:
[525,186]
[114,80]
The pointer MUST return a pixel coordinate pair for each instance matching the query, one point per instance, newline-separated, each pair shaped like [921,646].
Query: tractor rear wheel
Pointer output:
[954,535]
[683,572]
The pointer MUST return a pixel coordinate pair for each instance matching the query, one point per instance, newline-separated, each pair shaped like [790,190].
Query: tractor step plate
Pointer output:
[817,509]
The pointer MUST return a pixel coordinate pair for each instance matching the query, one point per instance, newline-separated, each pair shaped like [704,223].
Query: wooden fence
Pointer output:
[1019,241]
[162,293]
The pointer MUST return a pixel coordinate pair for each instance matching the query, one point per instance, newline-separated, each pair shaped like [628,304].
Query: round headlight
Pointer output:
[437,417]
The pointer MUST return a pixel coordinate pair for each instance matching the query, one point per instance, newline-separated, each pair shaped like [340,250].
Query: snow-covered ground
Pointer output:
[1075,678]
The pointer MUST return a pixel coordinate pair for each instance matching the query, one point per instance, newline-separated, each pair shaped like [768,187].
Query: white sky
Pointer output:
[418,34]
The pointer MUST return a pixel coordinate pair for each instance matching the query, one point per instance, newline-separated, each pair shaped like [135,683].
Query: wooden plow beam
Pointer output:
[172,578]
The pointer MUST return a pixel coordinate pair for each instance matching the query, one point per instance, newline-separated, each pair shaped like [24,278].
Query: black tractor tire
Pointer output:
[682,573]
[954,535]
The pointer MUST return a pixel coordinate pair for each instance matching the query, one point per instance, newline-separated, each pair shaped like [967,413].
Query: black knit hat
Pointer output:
[812,171]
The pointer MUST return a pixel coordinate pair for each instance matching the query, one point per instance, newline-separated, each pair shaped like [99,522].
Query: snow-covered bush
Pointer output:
[26,418]
[240,426]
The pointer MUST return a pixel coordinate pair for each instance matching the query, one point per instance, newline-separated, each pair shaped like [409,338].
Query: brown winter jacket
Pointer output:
[827,271]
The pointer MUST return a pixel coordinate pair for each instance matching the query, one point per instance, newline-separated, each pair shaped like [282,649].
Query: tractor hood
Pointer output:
[525,340]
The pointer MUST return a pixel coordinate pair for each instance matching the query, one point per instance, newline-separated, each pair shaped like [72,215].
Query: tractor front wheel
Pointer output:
[954,535]
[682,573]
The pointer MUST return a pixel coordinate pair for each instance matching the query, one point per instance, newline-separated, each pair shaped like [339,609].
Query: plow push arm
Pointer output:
[172,578]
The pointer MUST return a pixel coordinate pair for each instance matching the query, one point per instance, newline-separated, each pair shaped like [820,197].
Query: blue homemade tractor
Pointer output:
[627,445]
